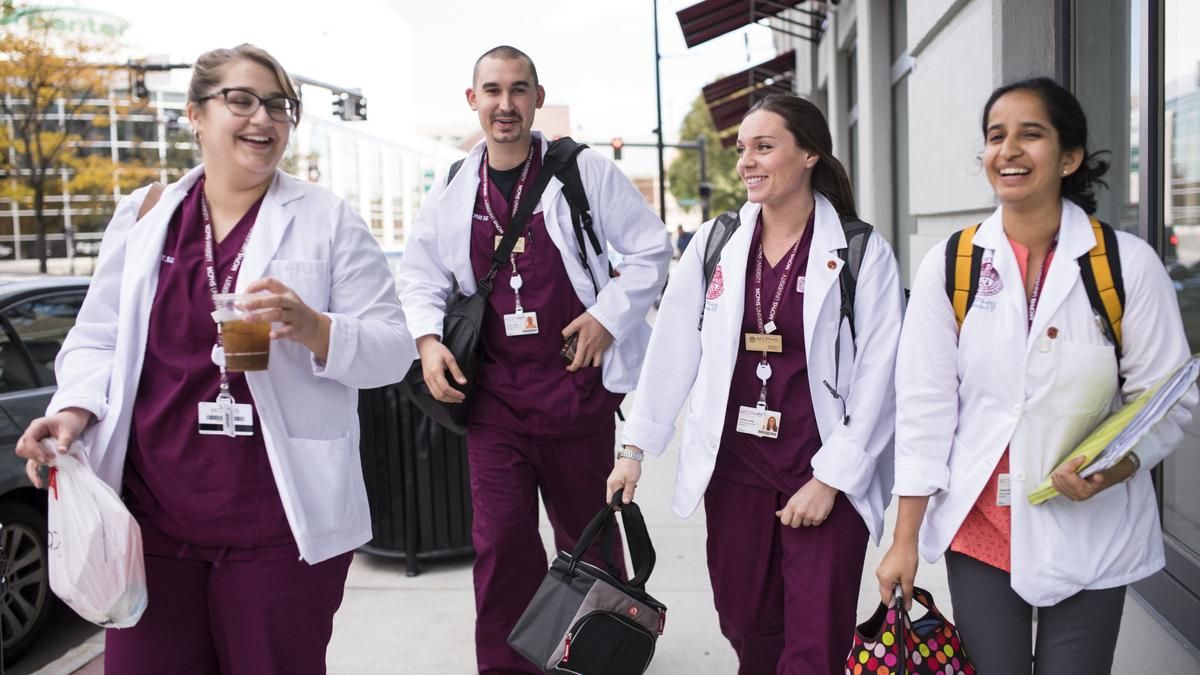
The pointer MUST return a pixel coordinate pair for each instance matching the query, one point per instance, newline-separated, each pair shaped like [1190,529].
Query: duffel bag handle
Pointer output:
[641,550]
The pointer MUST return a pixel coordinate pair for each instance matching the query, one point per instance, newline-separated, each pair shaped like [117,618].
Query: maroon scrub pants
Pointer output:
[785,597]
[508,469]
[231,617]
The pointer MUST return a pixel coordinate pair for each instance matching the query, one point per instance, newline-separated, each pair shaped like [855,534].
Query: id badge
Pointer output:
[758,342]
[226,419]
[1004,490]
[769,424]
[749,420]
[518,247]
[520,323]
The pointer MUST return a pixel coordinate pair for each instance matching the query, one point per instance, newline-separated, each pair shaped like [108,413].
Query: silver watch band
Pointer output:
[635,455]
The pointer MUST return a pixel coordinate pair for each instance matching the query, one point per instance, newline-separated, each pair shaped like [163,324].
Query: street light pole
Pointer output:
[662,171]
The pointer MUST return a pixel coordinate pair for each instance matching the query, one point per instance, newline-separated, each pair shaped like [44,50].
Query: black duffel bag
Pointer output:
[583,619]
[462,328]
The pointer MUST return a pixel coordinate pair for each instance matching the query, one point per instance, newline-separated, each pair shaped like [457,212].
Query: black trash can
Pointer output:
[418,484]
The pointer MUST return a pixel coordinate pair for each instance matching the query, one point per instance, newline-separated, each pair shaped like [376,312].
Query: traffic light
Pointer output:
[617,144]
[705,190]
[340,109]
[360,107]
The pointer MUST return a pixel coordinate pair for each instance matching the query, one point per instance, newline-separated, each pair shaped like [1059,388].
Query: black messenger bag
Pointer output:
[584,620]
[462,327]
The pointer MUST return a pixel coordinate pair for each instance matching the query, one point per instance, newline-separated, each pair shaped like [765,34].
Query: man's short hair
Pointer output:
[504,52]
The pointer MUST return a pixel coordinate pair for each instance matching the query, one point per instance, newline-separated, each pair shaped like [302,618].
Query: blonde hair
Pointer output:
[206,71]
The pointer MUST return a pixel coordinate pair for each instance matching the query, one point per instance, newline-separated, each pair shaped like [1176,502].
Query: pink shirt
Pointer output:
[986,533]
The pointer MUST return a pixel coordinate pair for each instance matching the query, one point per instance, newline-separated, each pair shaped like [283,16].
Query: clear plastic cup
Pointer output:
[247,345]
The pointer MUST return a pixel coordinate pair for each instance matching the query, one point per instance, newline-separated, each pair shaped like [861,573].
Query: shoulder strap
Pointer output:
[564,150]
[858,233]
[156,190]
[963,262]
[718,235]
[1100,269]
[454,170]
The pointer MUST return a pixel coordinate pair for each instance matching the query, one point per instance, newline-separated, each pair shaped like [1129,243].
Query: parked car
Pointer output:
[35,316]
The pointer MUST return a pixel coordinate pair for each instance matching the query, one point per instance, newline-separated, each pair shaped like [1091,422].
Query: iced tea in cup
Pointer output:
[247,345]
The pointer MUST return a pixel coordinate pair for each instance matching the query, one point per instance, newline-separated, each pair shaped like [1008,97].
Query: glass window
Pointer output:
[15,373]
[1181,241]
[42,324]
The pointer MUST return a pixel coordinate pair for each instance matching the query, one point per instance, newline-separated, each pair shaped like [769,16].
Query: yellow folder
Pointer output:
[1117,435]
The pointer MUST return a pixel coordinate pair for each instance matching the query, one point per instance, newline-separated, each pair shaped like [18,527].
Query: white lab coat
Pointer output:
[312,242]
[963,398]
[855,458]
[438,256]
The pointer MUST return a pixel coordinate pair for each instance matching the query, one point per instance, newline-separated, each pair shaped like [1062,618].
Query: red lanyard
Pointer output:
[516,202]
[783,282]
[1037,284]
[210,265]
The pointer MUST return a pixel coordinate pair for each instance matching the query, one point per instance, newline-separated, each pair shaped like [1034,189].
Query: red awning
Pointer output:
[779,67]
[730,98]
[706,20]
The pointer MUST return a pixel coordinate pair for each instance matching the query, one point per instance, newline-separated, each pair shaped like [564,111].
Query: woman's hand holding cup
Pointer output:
[280,304]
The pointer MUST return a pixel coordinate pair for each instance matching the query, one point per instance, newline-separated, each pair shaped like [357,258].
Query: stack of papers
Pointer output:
[1120,432]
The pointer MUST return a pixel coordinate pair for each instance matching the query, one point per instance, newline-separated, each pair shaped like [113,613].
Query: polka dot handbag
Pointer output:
[891,643]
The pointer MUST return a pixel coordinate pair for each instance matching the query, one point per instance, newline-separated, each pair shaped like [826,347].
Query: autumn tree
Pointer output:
[54,90]
[683,176]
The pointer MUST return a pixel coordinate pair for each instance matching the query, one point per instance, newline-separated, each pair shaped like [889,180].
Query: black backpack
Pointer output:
[565,150]
[857,233]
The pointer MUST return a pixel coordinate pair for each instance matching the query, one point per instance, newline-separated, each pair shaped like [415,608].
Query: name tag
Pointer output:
[756,342]
[1003,490]
[759,422]
[799,284]
[226,419]
[518,247]
[523,323]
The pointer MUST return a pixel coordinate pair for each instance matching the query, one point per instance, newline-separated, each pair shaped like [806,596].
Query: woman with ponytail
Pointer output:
[993,394]
[788,434]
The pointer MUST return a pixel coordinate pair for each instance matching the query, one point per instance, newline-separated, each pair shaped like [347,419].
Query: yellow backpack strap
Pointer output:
[1100,269]
[963,260]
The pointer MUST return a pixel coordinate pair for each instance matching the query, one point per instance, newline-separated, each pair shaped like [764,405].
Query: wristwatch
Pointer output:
[630,453]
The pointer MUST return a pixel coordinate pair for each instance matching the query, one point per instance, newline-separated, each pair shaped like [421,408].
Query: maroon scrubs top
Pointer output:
[522,382]
[207,497]
[782,463]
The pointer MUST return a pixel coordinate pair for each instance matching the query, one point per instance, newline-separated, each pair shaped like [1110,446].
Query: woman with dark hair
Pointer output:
[993,394]
[247,486]
[789,428]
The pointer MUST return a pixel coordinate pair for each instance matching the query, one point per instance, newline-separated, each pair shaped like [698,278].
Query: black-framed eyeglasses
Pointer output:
[244,103]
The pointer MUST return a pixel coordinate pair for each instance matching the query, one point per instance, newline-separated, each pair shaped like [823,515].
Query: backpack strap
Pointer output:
[963,262]
[1100,270]
[564,151]
[718,235]
[156,191]
[454,170]
[858,233]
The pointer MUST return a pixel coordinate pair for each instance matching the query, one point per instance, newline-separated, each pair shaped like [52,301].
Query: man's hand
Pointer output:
[1068,483]
[435,361]
[810,506]
[594,338]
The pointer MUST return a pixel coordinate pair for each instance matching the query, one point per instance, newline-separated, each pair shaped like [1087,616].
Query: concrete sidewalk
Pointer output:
[392,624]
[395,625]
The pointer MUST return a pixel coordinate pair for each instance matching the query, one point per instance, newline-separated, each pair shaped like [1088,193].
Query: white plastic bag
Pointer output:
[96,563]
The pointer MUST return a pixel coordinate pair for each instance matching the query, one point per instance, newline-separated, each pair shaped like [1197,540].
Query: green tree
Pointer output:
[683,176]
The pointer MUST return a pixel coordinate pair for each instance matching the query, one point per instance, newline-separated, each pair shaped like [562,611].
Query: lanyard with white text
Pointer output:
[763,371]
[210,269]
[514,281]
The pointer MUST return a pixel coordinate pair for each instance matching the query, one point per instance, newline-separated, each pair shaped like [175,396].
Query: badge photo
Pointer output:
[520,323]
